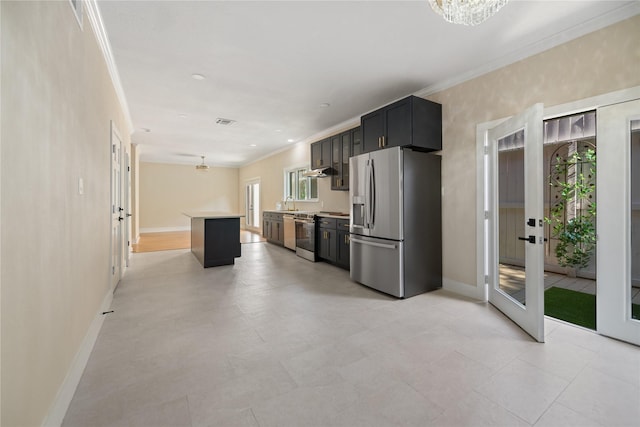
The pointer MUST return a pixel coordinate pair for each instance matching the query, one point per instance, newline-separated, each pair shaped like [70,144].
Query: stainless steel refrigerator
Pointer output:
[396,221]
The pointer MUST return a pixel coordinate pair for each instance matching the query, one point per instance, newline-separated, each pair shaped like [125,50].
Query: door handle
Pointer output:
[128,215]
[120,218]
[377,245]
[530,239]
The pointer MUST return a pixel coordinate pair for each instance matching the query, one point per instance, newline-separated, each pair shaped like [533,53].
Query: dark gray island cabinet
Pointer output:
[215,237]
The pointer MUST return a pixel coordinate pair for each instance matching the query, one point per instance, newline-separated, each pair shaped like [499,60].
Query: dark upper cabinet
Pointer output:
[372,126]
[321,154]
[411,122]
[340,153]
[356,142]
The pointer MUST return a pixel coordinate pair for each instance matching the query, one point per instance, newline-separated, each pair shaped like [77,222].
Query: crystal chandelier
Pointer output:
[466,12]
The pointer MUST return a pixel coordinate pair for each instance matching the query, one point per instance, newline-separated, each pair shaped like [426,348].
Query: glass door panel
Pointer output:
[515,212]
[253,205]
[511,219]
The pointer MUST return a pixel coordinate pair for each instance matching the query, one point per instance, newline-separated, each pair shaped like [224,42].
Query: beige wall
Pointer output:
[56,106]
[600,62]
[168,190]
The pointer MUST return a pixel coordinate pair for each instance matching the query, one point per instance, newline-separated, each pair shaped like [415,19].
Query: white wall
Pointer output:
[168,190]
[56,107]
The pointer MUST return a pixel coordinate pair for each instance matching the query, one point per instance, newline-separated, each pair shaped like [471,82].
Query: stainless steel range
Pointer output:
[306,235]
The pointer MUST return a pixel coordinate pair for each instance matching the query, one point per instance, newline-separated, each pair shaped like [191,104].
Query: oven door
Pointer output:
[306,238]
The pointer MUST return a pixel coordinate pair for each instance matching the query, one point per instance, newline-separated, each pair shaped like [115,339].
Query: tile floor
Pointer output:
[279,341]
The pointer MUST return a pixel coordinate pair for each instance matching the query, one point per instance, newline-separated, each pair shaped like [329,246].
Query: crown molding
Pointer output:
[95,19]
[620,14]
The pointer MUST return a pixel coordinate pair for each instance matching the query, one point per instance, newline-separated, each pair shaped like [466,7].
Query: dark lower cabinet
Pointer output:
[216,241]
[273,227]
[343,241]
[333,241]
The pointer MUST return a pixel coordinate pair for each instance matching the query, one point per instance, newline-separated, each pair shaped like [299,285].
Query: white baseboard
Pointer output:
[464,289]
[164,229]
[68,388]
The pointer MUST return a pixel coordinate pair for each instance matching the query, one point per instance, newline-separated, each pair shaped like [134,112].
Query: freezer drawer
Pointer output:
[377,263]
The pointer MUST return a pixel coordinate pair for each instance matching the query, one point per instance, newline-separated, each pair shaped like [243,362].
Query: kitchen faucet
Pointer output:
[286,202]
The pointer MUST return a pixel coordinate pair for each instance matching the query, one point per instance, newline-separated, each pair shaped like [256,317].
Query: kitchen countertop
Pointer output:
[324,214]
[333,215]
[213,215]
[286,212]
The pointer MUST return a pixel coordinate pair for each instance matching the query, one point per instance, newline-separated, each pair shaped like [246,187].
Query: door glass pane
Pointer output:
[511,220]
[635,219]
[255,202]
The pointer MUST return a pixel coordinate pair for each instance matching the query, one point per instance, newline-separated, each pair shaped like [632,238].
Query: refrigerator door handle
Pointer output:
[377,245]
[372,197]
[367,194]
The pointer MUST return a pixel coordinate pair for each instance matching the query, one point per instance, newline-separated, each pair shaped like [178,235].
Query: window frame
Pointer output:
[287,190]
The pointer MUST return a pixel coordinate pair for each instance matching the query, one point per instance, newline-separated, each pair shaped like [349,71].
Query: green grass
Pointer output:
[575,307]
[571,306]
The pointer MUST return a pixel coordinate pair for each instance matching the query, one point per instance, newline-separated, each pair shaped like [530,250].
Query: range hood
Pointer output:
[318,173]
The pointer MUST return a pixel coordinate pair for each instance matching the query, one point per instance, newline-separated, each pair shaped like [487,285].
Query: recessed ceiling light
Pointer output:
[147,130]
[324,105]
[278,130]
[290,140]
[182,116]
[197,76]
[252,145]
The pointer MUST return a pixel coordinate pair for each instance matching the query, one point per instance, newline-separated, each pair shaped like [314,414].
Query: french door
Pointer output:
[618,212]
[515,201]
[252,204]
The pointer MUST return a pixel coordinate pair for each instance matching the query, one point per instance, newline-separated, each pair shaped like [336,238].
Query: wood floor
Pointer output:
[170,240]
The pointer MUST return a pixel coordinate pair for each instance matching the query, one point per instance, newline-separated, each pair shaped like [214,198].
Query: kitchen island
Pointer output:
[215,237]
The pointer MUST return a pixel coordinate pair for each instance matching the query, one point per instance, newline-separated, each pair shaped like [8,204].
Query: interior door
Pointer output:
[116,210]
[126,203]
[618,213]
[515,198]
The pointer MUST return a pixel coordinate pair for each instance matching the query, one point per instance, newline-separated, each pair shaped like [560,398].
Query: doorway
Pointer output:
[597,209]
[252,204]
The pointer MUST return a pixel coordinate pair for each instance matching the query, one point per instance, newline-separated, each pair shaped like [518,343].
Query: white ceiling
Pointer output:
[269,65]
